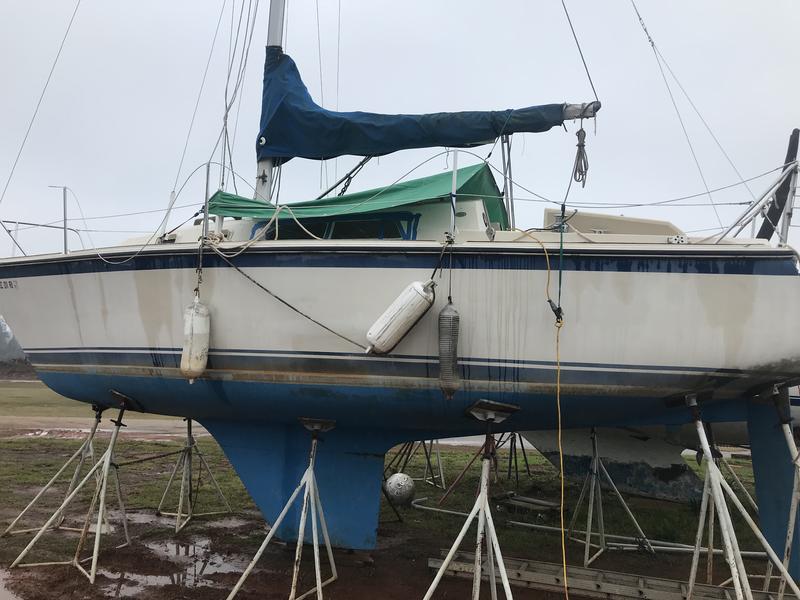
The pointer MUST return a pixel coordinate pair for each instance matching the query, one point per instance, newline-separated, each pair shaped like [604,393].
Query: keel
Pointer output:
[271,458]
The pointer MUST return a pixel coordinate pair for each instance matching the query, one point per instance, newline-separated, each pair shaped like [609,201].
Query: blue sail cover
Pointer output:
[292,125]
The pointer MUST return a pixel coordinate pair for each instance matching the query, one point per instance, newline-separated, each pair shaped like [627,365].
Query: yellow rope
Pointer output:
[559,325]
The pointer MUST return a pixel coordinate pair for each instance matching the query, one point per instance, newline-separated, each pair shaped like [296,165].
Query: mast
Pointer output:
[265,168]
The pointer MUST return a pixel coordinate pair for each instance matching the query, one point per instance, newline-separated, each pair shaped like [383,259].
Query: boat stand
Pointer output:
[715,490]
[594,483]
[721,461]
[489,412]
[82,455]
[308,483]
[433,475]
[515,445]
[190,490]
[104,466]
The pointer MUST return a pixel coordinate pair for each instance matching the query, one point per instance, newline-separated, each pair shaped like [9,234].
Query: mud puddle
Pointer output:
[192,563]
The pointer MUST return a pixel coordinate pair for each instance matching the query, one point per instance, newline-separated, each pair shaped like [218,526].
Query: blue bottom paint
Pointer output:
[256,425]
[774,475]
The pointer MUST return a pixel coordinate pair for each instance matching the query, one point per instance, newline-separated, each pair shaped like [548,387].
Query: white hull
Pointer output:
[635,325]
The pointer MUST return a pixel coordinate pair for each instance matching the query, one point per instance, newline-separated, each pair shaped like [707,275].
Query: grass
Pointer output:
[667,521]
[34,399]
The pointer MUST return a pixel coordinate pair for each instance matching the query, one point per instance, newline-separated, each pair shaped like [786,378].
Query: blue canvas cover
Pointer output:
[292,125]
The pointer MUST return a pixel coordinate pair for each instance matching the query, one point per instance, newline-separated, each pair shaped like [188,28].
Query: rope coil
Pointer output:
[580,168]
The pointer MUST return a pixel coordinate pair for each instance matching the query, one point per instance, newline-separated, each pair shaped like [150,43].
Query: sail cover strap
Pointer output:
[292,125]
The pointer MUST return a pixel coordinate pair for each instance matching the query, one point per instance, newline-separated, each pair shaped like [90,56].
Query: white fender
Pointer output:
[400,317]
[196,335]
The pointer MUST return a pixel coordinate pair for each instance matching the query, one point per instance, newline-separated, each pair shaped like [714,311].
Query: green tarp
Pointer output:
[472,182]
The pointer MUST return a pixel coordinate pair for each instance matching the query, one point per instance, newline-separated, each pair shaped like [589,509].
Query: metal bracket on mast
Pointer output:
[264,171]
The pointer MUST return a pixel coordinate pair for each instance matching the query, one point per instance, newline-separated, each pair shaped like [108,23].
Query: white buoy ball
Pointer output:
[400,489]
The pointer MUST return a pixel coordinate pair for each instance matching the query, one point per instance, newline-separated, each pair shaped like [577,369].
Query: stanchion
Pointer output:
[490,413]
[311,500]
[104,466]
[594,483]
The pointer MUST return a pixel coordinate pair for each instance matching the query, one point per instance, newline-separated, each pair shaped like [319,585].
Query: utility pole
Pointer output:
[63,189]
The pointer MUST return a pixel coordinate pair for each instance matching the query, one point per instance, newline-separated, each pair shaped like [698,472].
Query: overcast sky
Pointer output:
[114,119]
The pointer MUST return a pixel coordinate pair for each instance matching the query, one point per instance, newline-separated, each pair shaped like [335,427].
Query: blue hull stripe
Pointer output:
[139,355]
[717,262]
[477,370]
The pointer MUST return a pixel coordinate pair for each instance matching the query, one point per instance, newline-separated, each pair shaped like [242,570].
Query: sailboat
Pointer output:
[647,315]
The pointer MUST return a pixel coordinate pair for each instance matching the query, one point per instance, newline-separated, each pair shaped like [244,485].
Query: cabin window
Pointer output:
[376,226]
[366,229]
[288,229]
[381,226]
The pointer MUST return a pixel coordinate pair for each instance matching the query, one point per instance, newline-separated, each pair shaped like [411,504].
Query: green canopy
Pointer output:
[471,182]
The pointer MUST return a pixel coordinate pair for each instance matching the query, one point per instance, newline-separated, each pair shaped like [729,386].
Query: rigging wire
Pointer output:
[28,225]
[544,199]
[677,110]
[537,198]
[244,83]
[199,95]
[284,302]
[323,165]
[705,124]
[33,118]
[578,44]
[338,70]
[231,97]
